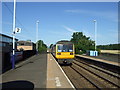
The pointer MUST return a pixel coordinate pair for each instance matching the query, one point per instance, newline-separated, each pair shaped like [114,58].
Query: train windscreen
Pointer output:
[65,48]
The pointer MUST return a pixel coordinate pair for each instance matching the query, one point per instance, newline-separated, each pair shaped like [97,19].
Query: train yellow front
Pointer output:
[64,52]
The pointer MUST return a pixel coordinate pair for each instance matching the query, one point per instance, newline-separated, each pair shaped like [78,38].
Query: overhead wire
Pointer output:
[15,17]
[17,35]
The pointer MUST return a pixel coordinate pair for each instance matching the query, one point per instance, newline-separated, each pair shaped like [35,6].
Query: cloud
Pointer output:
[88,34]
[84,32]
[112,15]
[69,29]
[75,11]
[57,33]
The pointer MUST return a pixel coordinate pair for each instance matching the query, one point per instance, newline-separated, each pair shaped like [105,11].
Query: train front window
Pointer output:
[60,48]
[70,48]
[65,48]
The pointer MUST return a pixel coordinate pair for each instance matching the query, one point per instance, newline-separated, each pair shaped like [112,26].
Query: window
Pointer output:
[0,38]
[27,44]
[4,39]
[65,48]
[21,43]
[11,40]
[3,44]
[60,47]
[7,39]
[0,44]
[70,48]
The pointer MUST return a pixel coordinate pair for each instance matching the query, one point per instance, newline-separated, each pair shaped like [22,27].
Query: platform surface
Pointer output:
[39,71]
[100,60]
[56,77]
[28,74]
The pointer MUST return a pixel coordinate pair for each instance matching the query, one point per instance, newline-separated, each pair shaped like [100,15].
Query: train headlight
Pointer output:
[71,53]
[58,53]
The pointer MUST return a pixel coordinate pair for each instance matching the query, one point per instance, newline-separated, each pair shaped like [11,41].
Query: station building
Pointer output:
[26,45]
[6,47]
[6,43]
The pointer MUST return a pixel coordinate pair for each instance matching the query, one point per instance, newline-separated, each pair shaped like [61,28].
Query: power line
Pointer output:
[12,15]
[8,8]
[16,35]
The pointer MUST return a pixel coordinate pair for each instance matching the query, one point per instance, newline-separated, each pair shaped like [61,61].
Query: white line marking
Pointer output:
[58,84]
[65,74]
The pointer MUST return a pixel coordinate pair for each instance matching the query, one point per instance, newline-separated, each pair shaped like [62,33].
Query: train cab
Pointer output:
[64,52]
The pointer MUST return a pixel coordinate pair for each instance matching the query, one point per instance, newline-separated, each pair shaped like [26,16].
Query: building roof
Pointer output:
[25,43]
[7,36]
[64,42]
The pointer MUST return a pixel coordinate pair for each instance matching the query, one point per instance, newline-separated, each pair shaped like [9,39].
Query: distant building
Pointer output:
[6,43]
[25,45]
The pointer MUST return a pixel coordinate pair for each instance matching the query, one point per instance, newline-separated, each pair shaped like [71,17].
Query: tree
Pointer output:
[109,47]
[82,43]
[41,46]
[51,45]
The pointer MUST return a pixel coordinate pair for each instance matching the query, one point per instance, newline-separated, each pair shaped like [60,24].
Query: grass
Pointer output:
[111,51]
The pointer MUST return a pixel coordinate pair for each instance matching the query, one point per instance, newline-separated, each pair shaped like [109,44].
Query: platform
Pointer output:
[100,60]
[56,78]
[30,73]
[38,71]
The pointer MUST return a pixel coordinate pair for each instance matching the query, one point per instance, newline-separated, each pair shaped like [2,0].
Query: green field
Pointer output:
[111,51]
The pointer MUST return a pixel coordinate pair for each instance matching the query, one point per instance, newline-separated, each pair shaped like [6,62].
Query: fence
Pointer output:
[6,58]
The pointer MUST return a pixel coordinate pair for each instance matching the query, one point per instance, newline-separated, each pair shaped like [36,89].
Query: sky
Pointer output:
[59,20]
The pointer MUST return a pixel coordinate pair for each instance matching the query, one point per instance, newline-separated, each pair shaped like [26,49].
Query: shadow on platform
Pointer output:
[19,84]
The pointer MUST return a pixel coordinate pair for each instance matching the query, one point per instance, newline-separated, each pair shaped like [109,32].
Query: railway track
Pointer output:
[93,76]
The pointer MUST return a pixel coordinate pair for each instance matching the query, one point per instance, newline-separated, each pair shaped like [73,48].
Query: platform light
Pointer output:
[58,53]
[17,30]
[37,22]
[95,27]
[71,53]
[95,53]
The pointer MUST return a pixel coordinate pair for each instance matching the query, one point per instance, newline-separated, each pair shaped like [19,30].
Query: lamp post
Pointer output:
[95,27]
[37,36]
[15,30]
[13,55]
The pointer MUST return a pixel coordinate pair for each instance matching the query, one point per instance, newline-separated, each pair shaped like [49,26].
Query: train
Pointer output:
[64,52]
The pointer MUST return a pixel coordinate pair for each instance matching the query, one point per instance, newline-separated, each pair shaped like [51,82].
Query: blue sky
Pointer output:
[59,20]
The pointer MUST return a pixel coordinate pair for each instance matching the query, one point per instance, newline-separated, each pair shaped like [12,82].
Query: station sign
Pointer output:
[17,30]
